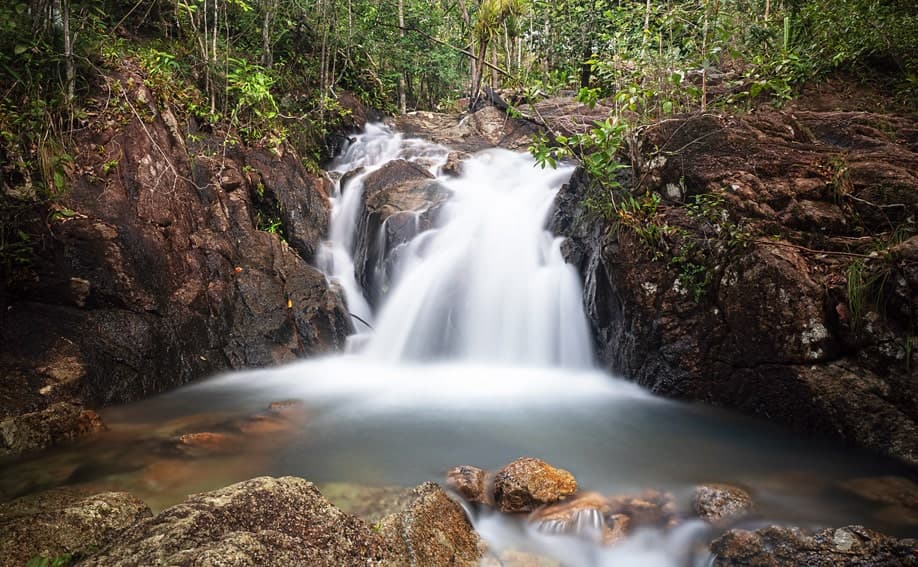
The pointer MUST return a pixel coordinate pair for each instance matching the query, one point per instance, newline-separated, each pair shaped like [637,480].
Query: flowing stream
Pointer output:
[479,352]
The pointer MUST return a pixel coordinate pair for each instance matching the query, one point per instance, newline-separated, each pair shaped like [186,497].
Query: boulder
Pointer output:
[720,502]
[472,483]
[751,298]
[400,200]
[587,515]
[263,521]
[432,530]
[64,522]
[453,165]
[527,483]
[849,546]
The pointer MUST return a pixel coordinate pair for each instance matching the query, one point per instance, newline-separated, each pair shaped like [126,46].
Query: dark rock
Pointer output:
[58,423]
[527,483]
[433,530]
[848,546]
[160,275]
[760,321]
[720,502]
[401,200]
[472,483]
[263,521]
[64,521]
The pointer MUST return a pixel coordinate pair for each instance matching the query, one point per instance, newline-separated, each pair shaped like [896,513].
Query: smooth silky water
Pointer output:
[479,354]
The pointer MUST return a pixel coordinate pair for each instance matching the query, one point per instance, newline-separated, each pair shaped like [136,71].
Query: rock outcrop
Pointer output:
[773,273]
[168,258]
[64,522]
[842,547]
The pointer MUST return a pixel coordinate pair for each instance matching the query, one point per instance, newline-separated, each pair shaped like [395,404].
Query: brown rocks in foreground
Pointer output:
[64,521]
[527,483]
[287,522]
[848,546]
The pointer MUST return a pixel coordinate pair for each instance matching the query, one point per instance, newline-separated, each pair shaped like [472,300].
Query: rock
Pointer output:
[369,503]
[401,200]
[528,483]
[59,423]
[64,521]
[583,515]
[471,483]
[433,530]
[885,489]
[486,128]
[759,322]
[720,502]
[262,521]
[453,165]
[848,546]
[650,508]
[166,261]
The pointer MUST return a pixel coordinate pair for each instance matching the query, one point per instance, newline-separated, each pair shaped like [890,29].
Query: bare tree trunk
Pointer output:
[767,9]
[267,58]
[68,50]
[646,28]
[402,96]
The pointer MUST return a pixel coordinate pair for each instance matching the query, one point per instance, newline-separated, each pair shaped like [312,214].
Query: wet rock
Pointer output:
[764,325]
[207,444]
[648,508]
[262,521]
[720,502]
[64,521]
[453,165]
[515,558]
[401,200]
[527,483]
[472,483]
[433,530]
[59,423]
[848,546]
[885,489]
[584,515]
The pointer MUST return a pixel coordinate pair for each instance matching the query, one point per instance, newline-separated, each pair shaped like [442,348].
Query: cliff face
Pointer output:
[163,262]
[775,272]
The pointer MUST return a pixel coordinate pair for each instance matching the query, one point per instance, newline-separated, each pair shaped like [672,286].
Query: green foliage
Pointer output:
[57,561]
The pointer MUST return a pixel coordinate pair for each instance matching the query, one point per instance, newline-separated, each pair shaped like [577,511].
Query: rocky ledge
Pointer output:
[766,263]
[169,257]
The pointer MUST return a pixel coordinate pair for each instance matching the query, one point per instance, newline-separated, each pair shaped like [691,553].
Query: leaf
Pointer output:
[20,49]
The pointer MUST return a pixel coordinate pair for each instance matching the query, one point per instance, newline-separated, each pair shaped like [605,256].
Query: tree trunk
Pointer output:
[68,50]
[267,59]
[402,97]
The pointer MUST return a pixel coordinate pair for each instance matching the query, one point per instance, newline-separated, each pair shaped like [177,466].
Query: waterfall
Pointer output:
[487,283]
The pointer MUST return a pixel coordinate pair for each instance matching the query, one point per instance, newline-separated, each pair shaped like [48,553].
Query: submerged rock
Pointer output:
[720,502]
[527,483]
[849,546]
[58,423]
[64,522]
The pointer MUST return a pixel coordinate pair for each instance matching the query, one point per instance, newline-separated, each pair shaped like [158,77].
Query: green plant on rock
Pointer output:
[57,561]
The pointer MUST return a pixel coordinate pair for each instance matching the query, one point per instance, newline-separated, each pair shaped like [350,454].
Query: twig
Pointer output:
[810,250]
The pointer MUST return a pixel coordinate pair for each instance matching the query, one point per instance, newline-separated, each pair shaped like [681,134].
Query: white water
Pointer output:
[488,284]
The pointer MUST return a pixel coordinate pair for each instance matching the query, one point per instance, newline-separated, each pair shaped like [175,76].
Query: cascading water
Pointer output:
[478,353]
[488,284]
